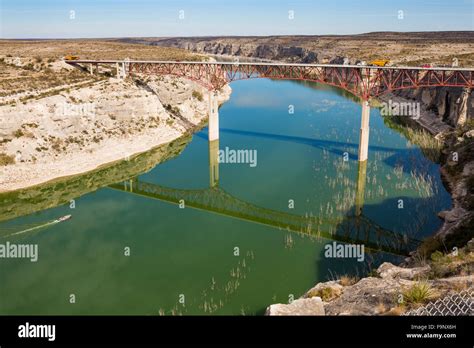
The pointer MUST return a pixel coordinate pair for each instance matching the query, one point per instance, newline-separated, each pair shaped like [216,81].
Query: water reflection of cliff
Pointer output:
[63,190]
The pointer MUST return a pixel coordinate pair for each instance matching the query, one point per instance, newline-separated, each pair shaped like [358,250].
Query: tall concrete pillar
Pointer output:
[117,67]
[213,117]
[91,69]
[214,163]
[364,132]
[124,70]
[360,190]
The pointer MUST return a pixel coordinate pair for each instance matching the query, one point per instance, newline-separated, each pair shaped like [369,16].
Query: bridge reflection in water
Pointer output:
[355,229]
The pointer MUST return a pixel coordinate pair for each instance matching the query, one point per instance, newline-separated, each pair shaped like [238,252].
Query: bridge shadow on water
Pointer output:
[398,157]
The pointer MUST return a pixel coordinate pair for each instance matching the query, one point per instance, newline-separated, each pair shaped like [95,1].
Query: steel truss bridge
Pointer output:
[364,82]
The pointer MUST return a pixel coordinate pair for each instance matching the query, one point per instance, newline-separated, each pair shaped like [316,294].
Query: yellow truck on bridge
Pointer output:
[379,62]
[71,57]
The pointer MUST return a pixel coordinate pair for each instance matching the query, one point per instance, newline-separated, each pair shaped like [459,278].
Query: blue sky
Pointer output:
[119,18]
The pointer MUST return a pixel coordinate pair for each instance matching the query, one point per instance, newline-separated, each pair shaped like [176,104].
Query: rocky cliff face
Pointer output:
[288,53]
[454,106]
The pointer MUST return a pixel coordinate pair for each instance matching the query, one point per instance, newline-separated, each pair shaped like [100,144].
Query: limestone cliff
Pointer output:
[287,53]
[454,106]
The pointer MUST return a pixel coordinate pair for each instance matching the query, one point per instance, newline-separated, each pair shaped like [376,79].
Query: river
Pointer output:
[127,251]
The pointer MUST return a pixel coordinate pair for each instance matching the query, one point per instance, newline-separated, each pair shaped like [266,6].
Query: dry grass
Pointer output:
[92,49]
[451,264]
[197,95]
[21,80]
[419,293]
[326,294]
[348,280]
[31,67]
[6,160]
[430,146]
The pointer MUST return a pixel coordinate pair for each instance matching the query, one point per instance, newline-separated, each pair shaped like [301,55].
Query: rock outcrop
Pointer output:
[387,270]
[369,296]
[302,306]
[267,52]
[454,106]
[327,291]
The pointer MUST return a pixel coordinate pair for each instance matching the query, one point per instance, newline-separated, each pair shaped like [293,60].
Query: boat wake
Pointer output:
[35,227]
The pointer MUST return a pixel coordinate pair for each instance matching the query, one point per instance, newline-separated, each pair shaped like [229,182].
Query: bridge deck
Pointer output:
[89,61]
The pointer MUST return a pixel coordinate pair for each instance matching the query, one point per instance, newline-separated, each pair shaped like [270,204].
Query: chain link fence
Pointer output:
[461,303]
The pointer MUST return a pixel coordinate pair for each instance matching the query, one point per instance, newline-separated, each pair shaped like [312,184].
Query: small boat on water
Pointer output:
[42,225]
[64,218]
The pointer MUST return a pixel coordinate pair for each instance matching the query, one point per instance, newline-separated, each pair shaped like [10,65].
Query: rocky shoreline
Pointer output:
[390,290]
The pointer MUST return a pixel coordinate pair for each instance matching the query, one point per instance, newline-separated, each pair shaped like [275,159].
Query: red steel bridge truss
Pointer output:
[362,81]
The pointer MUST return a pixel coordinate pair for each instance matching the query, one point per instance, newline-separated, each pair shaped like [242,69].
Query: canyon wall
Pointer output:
[454,106]
[288,53]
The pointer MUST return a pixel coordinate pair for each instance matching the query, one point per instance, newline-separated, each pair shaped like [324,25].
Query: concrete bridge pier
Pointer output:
[213,126]
[121,69]
[214,163]
[360,188]
[364,132]
[91,69]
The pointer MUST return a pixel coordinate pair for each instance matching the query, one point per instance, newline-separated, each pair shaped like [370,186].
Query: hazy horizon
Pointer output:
[75,19]
[236,36]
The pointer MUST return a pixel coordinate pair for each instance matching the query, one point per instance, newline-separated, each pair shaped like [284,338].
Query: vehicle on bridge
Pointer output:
[379,62]
[71,57]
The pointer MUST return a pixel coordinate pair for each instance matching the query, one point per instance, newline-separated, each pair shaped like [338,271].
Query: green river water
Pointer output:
[210,260]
